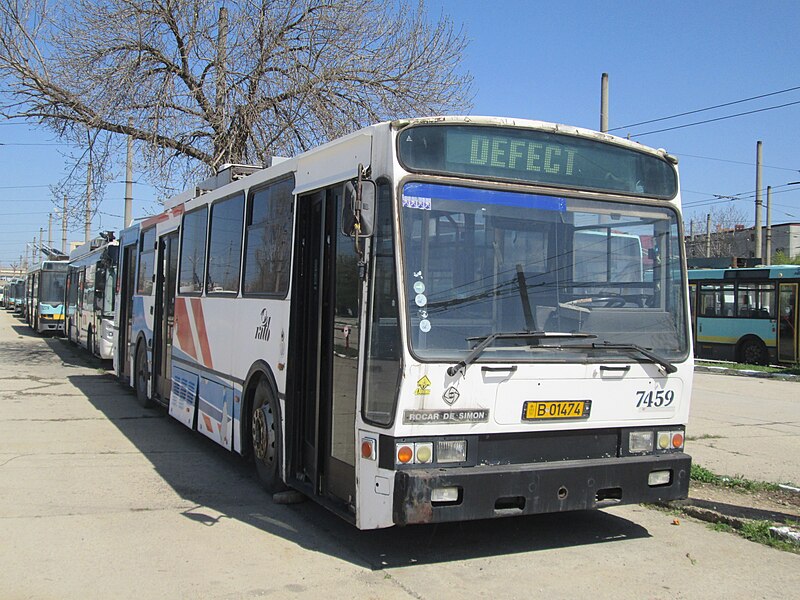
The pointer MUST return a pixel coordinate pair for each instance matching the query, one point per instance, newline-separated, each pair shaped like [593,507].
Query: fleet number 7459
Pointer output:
[657,399]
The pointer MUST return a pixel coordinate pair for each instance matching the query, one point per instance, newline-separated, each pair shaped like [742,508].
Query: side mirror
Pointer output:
[358,208]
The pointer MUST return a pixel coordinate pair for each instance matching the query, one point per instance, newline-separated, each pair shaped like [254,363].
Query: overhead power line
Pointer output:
[749,112]
[699,110]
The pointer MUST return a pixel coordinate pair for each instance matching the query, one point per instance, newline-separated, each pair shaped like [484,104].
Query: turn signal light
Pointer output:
[405,454]
[368,449]
[669,440]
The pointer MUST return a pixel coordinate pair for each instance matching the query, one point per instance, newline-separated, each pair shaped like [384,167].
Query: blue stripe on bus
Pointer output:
[463,194]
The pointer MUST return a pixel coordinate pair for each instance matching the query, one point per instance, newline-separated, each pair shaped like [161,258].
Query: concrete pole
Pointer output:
[64,226]
[768,257]
[604,103]
[128,218]
[708,235]
[87,231]
[758,201]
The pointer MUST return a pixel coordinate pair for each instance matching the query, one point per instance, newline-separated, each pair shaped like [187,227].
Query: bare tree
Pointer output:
[203,83]
[728,237]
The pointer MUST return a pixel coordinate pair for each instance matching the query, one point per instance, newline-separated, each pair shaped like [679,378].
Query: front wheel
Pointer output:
[142,377]
[266,437]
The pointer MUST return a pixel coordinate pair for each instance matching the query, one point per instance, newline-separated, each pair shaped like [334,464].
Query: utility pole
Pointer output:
[768,257]
[758,201]
[604,103]
[128,218]
[708,235]
[87,232]
[691,237]
[50,231]
[64,226]
[41,244]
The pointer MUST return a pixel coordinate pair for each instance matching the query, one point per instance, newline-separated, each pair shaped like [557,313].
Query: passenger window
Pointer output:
[193,251]
[268,239]
[225,247]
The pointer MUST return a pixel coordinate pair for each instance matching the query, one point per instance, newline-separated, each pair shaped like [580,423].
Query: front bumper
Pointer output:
[523,489]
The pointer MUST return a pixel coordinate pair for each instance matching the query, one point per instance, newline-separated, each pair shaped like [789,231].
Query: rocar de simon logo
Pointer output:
[262,331]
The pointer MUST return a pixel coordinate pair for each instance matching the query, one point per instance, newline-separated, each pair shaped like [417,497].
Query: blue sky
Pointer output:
[544,60]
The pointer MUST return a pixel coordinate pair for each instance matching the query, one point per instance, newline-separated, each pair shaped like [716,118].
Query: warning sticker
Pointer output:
[423,386]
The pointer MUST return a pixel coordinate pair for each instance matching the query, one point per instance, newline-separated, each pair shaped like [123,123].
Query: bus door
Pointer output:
[125,308]
[788,339]
[324,351]
[693,314]
[164,318]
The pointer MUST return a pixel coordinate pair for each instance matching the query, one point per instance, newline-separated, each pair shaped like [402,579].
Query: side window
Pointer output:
[147,257]
[755,301]
[193,251]
[225,247]
[384,366]
[716,300]
[268,242]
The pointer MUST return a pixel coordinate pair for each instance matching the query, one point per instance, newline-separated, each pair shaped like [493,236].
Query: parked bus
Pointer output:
[13,294]
[90,296]
[401,325]
[746,315]
[44,296]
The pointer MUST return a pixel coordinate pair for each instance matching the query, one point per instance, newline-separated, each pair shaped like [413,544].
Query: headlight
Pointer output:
[640,442]
[451,451]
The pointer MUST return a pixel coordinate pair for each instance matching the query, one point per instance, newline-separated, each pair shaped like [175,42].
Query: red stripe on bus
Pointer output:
[202,334]
[183,328]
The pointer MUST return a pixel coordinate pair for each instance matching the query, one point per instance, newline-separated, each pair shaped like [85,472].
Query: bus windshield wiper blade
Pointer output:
[521,335]
[659,360]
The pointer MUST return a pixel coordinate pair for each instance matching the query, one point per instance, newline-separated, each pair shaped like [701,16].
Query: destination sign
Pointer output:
[510,153]
[534,156]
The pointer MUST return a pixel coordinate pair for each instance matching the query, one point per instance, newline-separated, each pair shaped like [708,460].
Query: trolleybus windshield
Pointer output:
[479,262]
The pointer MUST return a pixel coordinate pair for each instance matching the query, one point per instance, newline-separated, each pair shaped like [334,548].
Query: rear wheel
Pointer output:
[753,352]
[265,430]
[142,377]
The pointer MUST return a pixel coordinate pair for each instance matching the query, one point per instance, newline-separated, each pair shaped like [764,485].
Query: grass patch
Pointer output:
[703,475]
[793,370]
[758,531]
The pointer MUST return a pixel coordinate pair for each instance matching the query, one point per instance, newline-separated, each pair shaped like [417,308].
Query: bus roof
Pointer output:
[765,272]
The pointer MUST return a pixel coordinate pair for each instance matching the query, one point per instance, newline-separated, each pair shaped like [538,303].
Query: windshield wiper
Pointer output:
[659,360]
[521,335]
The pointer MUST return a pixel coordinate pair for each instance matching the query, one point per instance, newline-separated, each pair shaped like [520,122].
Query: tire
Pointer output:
[142,377]
[753,352]
[265,437]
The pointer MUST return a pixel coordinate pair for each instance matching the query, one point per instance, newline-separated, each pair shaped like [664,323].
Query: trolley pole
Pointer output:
[128,218]
[604,103]
[708,235]
[87,231]
[49,232]
[768,257]
[64,226]
[758,202]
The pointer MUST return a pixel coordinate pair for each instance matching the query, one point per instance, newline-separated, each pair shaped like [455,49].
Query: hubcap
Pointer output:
[263,443]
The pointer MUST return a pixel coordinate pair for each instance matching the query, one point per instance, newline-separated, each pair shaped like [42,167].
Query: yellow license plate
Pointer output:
[556,409]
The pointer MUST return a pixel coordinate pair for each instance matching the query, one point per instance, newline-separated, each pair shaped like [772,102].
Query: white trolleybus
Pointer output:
[428,320]
[91,289]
